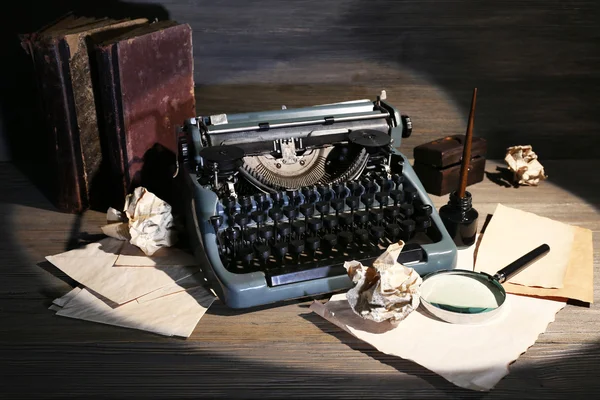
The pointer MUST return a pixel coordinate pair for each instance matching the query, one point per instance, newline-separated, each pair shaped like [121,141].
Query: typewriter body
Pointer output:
[279,200]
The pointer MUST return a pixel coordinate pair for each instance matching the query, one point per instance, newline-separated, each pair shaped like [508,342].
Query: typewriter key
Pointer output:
[423,209]
[382,198]
[398,180]
[298,228]
[309,194]
[280,250]
[266,233]
[290,212]
[345,220]
[242,220]
[369,185]
[322,207]
[337,205]
[345,238]
[361,217]
[325,192]
[294,197]
[408,228]
[352,202]
[246,255]
[260,198]
[312,244]
[410,194]
[391,213]
[377,232]
[340,190]
[376,216]
[250,235]
[307,210]
[367,200]
[284,231]
[278,199]
[385,185]
[397,196]
[315,224]
[422,222]
[362,236]
[330,222]
[246,204]
[296,248]
[355,188]
[393,231]
[276,214]
[407,210]
[329,241]
[263,252]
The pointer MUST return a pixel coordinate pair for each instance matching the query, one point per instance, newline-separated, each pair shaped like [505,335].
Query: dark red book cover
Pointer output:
[147,92]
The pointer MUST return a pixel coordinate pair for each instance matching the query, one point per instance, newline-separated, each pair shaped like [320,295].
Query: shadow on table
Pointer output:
[401,365]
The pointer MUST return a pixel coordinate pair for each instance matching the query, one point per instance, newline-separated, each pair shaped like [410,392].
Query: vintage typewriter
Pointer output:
[279,200]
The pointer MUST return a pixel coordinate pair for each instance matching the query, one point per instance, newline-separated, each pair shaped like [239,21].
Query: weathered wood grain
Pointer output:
[284,351]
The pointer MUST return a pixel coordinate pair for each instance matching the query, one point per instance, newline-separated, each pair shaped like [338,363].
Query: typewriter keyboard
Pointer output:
[307,234]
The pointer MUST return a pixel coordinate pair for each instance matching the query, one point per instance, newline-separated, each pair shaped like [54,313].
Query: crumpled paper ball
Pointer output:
[386,291]
[146,222]
[524,164]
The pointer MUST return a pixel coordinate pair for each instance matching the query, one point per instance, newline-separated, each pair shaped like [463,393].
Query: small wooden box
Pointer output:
[437,163]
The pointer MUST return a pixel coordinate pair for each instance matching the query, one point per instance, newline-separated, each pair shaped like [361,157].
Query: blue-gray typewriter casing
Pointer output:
[251,289]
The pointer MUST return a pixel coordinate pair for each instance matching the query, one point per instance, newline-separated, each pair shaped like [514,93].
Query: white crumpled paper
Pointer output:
[387,291]
[524,164]
[147,222]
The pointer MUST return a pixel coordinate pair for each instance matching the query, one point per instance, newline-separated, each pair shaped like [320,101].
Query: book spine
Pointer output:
[113,131]
[67,186]
[87,122]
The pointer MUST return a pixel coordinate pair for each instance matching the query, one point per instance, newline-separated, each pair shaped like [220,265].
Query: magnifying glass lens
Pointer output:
[463,293]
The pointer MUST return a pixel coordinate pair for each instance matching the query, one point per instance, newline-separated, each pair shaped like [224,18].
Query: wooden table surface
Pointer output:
[284,351]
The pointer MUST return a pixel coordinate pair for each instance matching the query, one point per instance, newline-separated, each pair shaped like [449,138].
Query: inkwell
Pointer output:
[459,216]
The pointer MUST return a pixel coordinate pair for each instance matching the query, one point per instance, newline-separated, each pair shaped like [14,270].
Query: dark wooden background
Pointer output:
[536,63]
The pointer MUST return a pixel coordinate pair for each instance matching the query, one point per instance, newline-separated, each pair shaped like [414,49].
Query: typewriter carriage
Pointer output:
[284,153]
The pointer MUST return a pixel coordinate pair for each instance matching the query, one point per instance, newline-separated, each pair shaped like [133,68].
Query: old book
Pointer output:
[437,163]
[60,54]
[147,90]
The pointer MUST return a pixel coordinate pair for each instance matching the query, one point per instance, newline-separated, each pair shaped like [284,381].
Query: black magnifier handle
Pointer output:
[517,265]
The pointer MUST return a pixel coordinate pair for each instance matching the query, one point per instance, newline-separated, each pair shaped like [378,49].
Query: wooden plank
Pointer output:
[534,63]
[267,352]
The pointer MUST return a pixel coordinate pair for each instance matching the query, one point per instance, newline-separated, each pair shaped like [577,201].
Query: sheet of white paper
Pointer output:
[465,258]
[93,266]
[173,315]
[179,286]
[54,307]
[61,301]
[132,256]
[512,233]
[469,356]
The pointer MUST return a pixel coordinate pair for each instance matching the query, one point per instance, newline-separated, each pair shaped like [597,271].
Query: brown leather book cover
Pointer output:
[60,53]
[147,88]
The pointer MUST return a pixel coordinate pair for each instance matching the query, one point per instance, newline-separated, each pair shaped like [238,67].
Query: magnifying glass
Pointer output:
[467,297]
